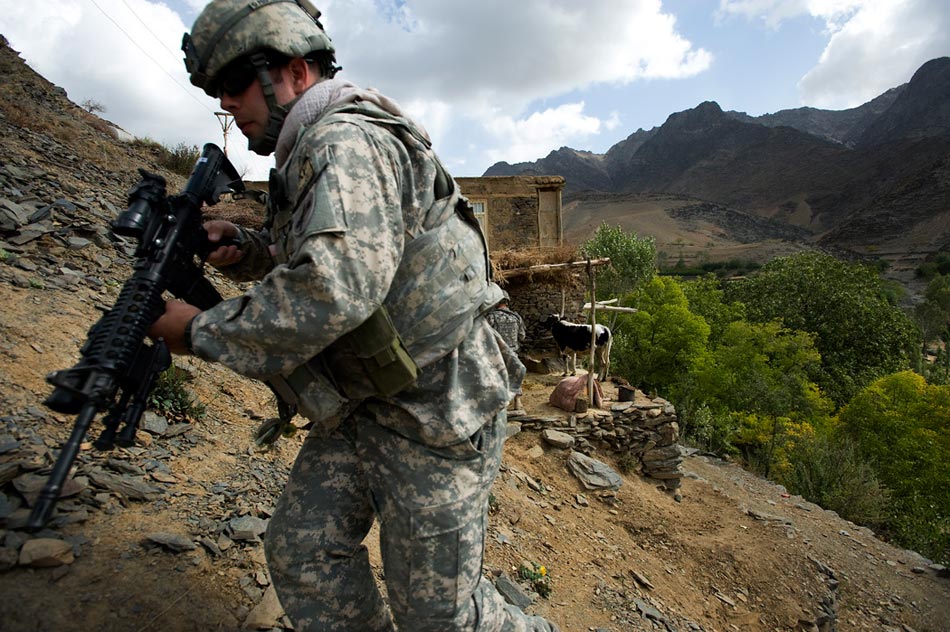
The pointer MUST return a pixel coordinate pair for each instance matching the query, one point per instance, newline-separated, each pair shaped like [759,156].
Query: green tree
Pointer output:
[933,316]
[707,299]
[827,469]
[659,343]
[939,265]
[901,426]
[860,334]
[632,260]
[757,384]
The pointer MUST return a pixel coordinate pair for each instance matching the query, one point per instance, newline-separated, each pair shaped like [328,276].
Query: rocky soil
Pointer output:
[165,535]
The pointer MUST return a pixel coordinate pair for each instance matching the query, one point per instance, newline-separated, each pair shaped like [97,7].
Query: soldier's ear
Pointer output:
[302,75]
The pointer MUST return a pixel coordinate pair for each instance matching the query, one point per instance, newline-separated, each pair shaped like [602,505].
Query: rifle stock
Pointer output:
[118,367]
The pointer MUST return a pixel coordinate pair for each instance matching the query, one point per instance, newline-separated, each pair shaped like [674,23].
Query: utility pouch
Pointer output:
[313,395]
[384,356]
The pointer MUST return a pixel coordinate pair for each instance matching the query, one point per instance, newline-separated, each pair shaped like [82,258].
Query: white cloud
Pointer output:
[507,54]
[536,135]
[501,56]
[447,62]
[613,122]
[873,45]
[436,115]
[878,48]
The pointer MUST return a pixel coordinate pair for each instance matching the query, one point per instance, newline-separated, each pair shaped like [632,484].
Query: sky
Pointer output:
[507,80]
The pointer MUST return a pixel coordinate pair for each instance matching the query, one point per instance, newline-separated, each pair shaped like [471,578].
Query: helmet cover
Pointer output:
[227,30]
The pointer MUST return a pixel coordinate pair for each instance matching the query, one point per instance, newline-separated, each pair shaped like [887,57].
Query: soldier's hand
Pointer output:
[171,325]
[219,230]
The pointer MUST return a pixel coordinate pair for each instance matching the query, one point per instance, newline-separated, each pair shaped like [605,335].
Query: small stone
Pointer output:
[247,528]
[171,541]
[512,592]
[265,614]
[558,439]
[46,553]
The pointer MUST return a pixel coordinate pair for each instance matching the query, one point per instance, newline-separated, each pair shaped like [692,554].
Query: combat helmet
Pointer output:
[227,31]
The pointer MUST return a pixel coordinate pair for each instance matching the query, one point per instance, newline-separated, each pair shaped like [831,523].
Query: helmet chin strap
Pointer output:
[276,113]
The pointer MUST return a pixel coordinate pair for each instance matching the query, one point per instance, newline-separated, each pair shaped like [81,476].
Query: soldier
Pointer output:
[368,319]
[509,324]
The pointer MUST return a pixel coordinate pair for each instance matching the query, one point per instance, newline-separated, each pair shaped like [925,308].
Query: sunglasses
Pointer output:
[235,78]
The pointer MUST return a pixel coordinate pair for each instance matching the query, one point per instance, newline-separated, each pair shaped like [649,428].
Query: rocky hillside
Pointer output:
[872,180]
[165,534]
[920,110]
[839,126]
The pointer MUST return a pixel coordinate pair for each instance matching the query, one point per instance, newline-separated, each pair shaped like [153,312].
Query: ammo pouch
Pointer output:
[385,359]
[309,391]
[439,289]
[379,358]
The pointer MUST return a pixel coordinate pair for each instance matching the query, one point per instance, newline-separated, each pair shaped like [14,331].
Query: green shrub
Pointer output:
[828,471]
[538,576]
[173,399]
[181,159]
[939,265]
[900,426]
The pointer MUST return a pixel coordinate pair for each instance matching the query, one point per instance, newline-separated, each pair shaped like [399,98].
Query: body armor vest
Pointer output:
[442,284]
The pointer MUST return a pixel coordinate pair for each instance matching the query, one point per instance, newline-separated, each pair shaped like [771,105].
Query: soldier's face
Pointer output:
[249,107]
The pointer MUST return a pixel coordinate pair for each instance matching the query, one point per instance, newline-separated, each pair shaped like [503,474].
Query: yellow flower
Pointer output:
[543,571]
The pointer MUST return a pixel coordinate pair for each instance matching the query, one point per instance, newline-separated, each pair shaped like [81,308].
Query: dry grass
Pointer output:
[246,212]
[98,124]
[527,257]
[517,263]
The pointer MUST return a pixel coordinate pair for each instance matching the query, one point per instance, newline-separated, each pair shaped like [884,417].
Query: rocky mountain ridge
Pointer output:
[872,180]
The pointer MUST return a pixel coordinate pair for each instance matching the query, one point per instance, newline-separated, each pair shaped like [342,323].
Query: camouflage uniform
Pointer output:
[352,193]
[509,324]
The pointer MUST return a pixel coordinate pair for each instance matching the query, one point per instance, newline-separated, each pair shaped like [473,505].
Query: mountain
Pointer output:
[587,169]
[840,126]
[922,110]
[868,181]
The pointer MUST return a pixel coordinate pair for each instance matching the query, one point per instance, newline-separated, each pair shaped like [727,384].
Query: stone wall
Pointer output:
[535,301]
[644,432]
[511,220]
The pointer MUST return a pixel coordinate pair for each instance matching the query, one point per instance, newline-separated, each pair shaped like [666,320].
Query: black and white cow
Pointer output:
[571,338]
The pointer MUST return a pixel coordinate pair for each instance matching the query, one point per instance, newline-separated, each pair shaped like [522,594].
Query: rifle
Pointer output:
[118,368]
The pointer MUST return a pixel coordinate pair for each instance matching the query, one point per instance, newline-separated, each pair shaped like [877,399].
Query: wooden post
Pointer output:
[227,120]
[591,284]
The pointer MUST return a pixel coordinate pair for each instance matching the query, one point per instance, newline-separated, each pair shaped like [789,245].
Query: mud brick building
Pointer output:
[517,211]
[523,213]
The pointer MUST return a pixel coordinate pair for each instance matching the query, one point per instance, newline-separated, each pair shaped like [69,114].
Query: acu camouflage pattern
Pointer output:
[432,505]
[336,238]
[509,324]
[358,192]
[287,26]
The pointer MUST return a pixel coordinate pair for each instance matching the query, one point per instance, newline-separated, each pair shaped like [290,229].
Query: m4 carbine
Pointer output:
[118,367]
